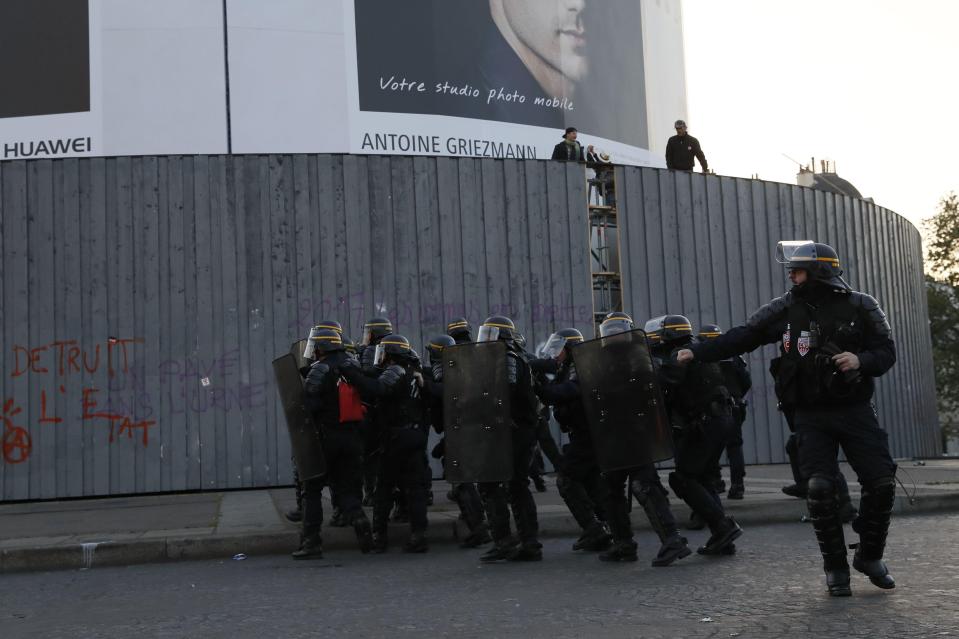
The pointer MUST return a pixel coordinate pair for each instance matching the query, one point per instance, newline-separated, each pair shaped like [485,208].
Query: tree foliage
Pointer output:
[942,290]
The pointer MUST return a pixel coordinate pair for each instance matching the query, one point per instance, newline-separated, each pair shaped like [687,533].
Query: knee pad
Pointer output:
[822,488]
[880,493]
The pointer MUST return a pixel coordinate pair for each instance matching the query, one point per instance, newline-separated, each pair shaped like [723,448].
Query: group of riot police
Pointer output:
[359,419]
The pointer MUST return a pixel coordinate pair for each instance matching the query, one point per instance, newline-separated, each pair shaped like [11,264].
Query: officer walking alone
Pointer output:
[834,342]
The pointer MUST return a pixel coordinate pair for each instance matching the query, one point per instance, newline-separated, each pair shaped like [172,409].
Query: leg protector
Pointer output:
[577,500]
[655,504]
[875,510]
[497,511]
[824,513]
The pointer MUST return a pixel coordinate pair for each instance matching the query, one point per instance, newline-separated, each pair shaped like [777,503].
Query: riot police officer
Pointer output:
[834,342]
[465,494]
[460,330]
[342,446]
[738,383]
[699,407]
[400,419]
[498,496]
[644,484]
[375,329]
[578,479]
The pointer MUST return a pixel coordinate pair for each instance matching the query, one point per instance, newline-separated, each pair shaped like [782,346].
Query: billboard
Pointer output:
[486,78]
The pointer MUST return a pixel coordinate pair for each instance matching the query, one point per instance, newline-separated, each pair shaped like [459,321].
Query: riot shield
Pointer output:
[304,434]
[302,363]
[622,399]
[476,417]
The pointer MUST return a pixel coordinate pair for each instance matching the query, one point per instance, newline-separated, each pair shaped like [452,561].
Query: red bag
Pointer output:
[352,408]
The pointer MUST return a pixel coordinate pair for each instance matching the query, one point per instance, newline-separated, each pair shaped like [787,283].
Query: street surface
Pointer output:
[772,588]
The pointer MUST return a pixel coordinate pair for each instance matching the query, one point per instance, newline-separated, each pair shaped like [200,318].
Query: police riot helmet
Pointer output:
[671,328]
[709,331]
[394,346]
[434,348]
[324,340]
[333,325]
[560,340]
[819,260]
[615,322]
[349,345]
[497,327]
[375,329]
[459,329]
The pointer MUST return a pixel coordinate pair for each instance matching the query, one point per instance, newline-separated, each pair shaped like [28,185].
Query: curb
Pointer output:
[554,521]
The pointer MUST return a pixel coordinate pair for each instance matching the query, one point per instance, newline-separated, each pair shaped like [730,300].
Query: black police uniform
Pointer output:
[829,409]
[500,497]
[699,407]
[578,480]
[403,428]
[342,447]
[738,382]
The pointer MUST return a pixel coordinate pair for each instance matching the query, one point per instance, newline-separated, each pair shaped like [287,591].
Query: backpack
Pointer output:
[351,406]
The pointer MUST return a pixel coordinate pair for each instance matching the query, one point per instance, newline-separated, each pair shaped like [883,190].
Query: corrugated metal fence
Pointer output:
[144,298]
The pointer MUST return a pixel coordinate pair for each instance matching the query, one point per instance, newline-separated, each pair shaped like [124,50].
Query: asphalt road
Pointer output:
[772,588]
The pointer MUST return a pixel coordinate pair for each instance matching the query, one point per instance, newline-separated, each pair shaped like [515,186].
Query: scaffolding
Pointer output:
[604,244]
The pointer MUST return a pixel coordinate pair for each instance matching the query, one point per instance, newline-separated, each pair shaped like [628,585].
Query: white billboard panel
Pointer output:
[487,78]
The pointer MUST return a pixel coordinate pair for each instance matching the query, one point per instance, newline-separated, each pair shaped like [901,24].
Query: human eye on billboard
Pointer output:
[546,63]
[44,57]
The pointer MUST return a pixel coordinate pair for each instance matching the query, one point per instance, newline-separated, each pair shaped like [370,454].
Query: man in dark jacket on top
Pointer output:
[569,150]
[683,149]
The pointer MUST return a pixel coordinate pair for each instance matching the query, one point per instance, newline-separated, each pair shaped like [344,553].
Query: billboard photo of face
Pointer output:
[546,63]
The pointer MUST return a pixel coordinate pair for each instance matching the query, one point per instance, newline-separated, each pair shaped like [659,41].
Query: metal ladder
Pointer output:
[604,245]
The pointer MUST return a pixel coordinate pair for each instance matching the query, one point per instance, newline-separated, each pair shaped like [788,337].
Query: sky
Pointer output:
[870,84]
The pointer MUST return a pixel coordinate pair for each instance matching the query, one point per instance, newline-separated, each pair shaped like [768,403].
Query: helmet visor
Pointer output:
[796,253]
[487,333]
[379,356]
[614,326]
[554,346]
[309,351]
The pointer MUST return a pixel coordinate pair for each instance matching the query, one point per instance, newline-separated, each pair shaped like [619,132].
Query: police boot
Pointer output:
[824,514]
[311,547]
[417,543]
[477,537]
[623,550]
[594,539]
[674,547]
[736,491]
[872,525]
[364,532]
[294,515]
[723,533]
[798,490]
[500,551]
[527,551]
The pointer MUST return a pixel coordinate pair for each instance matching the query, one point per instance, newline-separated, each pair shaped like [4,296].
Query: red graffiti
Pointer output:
[67,357]
[128,426]
[16,441]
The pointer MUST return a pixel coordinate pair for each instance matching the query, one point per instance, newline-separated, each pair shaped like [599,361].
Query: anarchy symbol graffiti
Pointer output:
[16,440]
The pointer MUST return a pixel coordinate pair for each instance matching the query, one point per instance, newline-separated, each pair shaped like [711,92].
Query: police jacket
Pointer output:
[693,391]
[523,404]
[433,395]
[563,394]
[682,150]
[737,378]
[320,391]
[813,322]
[394,392]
